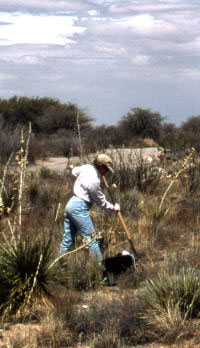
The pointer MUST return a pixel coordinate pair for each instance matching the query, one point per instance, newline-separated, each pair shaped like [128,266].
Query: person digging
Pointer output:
[87,189]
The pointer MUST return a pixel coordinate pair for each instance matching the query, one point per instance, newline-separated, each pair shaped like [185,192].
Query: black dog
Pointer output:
[118,264]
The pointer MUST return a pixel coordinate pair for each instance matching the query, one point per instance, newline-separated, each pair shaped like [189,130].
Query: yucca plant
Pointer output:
[25,274]
[166,294]
[155,214]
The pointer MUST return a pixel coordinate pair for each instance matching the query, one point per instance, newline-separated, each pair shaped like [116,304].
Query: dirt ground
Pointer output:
[61,163]
[12,333]
[25,334]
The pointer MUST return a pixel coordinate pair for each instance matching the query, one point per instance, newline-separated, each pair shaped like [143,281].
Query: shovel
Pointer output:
[121,218]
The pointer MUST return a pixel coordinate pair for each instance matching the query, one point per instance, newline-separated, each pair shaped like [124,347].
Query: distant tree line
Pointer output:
[57,128]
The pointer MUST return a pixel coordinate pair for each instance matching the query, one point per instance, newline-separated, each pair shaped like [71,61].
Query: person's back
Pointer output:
[88,179]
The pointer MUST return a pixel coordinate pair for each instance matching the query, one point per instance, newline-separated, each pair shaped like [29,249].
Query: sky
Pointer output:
[108,57]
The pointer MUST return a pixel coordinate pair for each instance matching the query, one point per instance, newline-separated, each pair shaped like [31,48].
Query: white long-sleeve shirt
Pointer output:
[88,186]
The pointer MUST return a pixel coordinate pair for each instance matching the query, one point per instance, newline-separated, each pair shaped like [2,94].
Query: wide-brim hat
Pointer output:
[106,161]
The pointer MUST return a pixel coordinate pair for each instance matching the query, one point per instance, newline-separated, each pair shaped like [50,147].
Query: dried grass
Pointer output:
[162,216]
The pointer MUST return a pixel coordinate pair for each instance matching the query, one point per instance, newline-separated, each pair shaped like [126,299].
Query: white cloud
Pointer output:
[24,28]
[110,54]
[4,77]
[191,73]
[38,6]
[146,25]
[93,13]
[150,6]
[140,60]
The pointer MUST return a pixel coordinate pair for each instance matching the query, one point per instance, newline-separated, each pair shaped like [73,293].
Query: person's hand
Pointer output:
[116,207]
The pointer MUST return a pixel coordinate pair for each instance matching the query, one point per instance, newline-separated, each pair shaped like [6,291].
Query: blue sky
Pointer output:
[106,56]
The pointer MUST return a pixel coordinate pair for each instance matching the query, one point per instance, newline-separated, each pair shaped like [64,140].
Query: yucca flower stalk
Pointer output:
[79,136]
[3,208]
[183,167]
[22,157]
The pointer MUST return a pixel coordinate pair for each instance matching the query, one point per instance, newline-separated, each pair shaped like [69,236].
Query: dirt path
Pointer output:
[126,155]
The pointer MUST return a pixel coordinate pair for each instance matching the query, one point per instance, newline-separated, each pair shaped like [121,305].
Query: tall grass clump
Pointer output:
[82,272]
[135,172]
[25,274]
[171,300]
[156,216]
[111,320]
[191,178]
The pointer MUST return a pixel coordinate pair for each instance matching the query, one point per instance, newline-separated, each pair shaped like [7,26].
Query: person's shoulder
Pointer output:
[91,173]
[83,167]
[88,167]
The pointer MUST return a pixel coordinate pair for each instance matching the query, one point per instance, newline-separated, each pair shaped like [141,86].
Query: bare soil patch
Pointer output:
[61,163]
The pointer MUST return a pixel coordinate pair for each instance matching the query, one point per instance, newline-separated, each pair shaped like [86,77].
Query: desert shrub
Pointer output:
[178,259]
[9,188]
[44,188]
[65,303]
[40,196]
[9,198]
[111,321]
[8,143]
[124,178]
[167,236]
[25,274]
[190,178]
[63,144]
[141,122]
[38,148]
[45,173]
[109,338]
[48,326]
[82,272]
[182,289]
[54,331]
[47,115]
[130,201]
[155,215]
[147,177]
[54,126]
[33,191]
[170,300]
[190,132]
[171,138]
[101,137]
[136,173]
[186,212]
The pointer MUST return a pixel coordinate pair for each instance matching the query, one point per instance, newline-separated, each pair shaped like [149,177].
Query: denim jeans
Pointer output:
[77,218]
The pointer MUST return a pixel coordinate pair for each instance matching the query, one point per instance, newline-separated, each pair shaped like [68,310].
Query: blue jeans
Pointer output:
[77,218]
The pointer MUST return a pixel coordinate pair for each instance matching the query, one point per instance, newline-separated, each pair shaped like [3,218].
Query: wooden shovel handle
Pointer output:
[120,217]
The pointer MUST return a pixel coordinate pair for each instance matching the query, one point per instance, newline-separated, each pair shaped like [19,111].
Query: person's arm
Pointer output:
[76,171]
[99,198]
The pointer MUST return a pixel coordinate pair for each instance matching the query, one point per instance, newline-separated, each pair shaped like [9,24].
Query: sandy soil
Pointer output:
[61,163]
